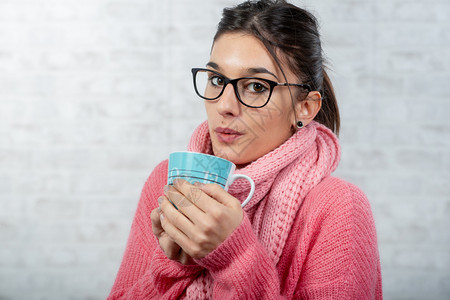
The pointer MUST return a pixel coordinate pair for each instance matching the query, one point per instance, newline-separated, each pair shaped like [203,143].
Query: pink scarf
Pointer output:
[283,177]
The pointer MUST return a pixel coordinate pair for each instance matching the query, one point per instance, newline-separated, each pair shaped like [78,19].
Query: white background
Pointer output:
[94,93]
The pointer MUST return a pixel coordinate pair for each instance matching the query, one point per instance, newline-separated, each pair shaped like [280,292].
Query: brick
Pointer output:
[57,11]
[121,35]
[6,60]
[353,134]
[63,159]
[182,12]
[136,84]
[391,133]
[437,135]
[14,159]
[11,229]
[11,257]
[127,11]
[365,158]
[342,60]
[136,60]
[113,207]
[398,257]
[409,220]
[32,182]
[408,61]
[8,279]
[390,109]
[416,86]
[407,35]
[44,280]
[45,230]
[11,204]
[419,160]
[342,11]
[348,34]
[106,183]
[68,60]
[101,231]
[5,184]
[396,184]
[427,284]
[136,108]
[407,10]
[56,207]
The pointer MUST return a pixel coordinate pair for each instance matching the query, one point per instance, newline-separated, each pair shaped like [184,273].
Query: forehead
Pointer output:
[236,52]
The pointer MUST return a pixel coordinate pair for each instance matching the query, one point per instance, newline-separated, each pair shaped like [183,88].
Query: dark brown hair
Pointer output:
[293,32]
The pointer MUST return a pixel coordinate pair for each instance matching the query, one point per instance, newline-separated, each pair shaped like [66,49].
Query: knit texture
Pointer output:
[282,178]
[304,234]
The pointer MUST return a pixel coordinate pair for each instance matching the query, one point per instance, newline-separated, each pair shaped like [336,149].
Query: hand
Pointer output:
[168,246]
[205,215]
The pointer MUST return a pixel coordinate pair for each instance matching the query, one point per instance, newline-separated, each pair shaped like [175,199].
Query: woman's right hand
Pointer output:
[168,246]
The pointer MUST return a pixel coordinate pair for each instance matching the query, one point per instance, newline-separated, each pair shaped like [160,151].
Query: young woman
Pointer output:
[271,111]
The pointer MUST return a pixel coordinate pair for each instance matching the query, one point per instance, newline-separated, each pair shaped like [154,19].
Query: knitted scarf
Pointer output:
[283,177]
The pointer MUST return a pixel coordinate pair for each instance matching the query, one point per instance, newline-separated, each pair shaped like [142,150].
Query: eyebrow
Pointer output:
[213,65]
[252,71]
[261,70]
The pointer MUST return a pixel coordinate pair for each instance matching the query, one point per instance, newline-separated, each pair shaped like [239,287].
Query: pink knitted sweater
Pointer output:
[305,235]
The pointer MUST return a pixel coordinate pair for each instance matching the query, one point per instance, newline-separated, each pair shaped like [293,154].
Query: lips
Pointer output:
[227,135]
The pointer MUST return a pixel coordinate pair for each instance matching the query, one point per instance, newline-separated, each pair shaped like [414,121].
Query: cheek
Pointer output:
[210,111]
[269,117]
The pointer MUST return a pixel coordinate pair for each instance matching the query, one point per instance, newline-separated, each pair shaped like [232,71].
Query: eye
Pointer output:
[256,87]
[216,80]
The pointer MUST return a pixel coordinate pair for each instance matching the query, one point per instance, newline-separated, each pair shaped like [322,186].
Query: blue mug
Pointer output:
[198,167]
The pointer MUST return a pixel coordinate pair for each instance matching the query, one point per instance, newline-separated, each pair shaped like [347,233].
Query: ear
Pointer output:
[306,110]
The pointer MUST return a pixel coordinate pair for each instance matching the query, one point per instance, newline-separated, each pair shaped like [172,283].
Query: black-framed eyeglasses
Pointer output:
[250,91]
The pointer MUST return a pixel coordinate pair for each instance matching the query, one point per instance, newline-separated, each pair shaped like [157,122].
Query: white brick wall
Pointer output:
[93,94]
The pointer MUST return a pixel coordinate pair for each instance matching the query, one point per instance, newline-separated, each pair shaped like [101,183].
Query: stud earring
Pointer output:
[299,125]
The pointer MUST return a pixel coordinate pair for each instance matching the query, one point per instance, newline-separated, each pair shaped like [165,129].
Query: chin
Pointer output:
[236,156]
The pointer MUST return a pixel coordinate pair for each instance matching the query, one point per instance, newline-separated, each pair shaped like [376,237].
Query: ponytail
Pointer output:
[328,114]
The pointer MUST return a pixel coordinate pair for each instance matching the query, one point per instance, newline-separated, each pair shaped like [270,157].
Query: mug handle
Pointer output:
[252,186]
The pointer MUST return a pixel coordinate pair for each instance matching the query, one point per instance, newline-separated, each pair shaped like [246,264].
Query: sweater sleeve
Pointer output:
[145,272]
[241,267]
[336,253]
[342,260]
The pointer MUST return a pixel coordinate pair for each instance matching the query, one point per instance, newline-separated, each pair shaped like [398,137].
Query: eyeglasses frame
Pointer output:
[234,82]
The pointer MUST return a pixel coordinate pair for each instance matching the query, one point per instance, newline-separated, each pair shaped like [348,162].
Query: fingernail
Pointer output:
[166,188]
[160,200]
[161,217]
[199,184]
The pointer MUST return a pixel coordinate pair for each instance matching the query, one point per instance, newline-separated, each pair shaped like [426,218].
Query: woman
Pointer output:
[272,111]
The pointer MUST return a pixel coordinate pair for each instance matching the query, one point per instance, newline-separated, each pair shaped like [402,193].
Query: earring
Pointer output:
[299,125]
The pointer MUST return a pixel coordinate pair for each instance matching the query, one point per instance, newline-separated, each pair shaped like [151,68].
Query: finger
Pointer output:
[185,259]
[195,192]
[169,247]
[186,200]
[217,193]
[178,198]
[170,223]
[176,222]
[156,222]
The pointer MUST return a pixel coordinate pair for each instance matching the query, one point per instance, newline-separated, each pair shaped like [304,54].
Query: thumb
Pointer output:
[156,222]
[216,192]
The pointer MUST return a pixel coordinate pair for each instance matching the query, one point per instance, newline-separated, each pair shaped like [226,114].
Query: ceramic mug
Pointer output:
[198,167]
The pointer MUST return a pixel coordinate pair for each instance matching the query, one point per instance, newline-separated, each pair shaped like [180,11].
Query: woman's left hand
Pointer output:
[205,216]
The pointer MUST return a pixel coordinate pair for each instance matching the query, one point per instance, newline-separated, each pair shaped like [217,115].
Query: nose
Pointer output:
[228,104]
